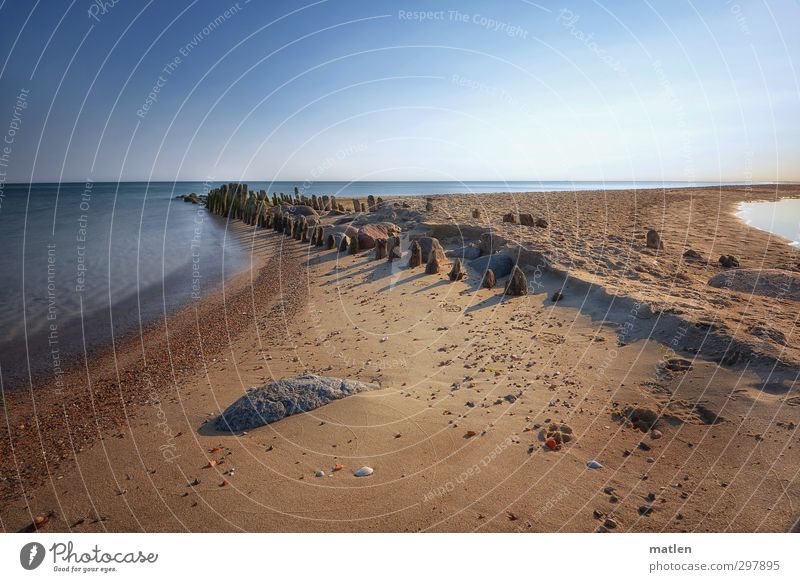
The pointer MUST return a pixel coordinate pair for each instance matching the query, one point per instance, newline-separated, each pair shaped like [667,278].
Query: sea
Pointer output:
[86,264]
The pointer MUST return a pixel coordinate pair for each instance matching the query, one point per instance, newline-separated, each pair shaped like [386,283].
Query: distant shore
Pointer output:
[472,380]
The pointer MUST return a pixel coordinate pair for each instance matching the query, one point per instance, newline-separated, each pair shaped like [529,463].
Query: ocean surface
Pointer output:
[781,217]
[83,264]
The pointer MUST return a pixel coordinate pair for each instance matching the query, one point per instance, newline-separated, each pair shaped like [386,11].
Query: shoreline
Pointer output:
[281,323]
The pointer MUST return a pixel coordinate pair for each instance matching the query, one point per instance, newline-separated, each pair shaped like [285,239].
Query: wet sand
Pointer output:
[471,382]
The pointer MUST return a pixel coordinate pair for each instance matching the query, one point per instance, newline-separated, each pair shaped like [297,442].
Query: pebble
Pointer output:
[656,434]
[364,472]
[645,509]
[594,465]
[319,474]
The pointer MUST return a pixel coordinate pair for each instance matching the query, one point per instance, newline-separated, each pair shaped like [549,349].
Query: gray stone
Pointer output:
[271,402]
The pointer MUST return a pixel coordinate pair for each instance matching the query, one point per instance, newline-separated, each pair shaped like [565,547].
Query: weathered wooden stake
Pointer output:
[517,284]
[416,255]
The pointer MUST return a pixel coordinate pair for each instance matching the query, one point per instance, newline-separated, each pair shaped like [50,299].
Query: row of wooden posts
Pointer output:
[281,215]
[235,200]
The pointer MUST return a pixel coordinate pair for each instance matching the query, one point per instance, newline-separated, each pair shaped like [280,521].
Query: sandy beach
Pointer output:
[685,392]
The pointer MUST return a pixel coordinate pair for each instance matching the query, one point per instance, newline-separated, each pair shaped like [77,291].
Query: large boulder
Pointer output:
[500,263]
[271,402]
[299,210]
[369,233]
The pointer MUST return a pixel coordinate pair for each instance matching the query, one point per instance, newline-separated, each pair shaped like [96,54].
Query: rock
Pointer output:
[653,240]
[330,242]
[271,402]
[729,262]
[416,255]
[594,465]
[677,365]
[645,510]
[381,248]
[369,233]
[510,217]
[643,311]
[467,252]
[692,255]
[541,223]
[476,213]
[319,474]
[301,210]
[518,284]
[656,434]
[526,219]
[557,296]
[500,263]
[429,244]
[344,243]
[489,280]
[429,204]
[433,265]
[457,272]
[371,203]
[364,472]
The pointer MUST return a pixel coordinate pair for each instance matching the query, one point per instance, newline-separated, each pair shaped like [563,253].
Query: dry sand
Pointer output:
[471,380]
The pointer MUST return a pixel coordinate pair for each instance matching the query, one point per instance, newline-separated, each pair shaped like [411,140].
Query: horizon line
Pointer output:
[302,182]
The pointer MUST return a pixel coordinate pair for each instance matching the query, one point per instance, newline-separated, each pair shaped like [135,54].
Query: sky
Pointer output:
[377,90]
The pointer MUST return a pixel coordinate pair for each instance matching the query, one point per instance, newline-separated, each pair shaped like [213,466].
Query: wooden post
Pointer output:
[416,255]
[381,245]
[517,284]
[489,280]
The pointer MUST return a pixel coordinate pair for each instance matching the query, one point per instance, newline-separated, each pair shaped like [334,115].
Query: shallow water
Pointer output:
[85,263]
[781,217]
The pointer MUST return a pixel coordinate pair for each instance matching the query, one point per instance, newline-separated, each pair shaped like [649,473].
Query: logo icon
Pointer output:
[31,555]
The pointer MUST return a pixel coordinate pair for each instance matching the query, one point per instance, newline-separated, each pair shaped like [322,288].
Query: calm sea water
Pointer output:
[781,217]
[82,263]
[85,263]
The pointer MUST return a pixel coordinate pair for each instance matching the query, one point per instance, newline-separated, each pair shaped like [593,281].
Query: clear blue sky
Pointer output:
[337,90]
